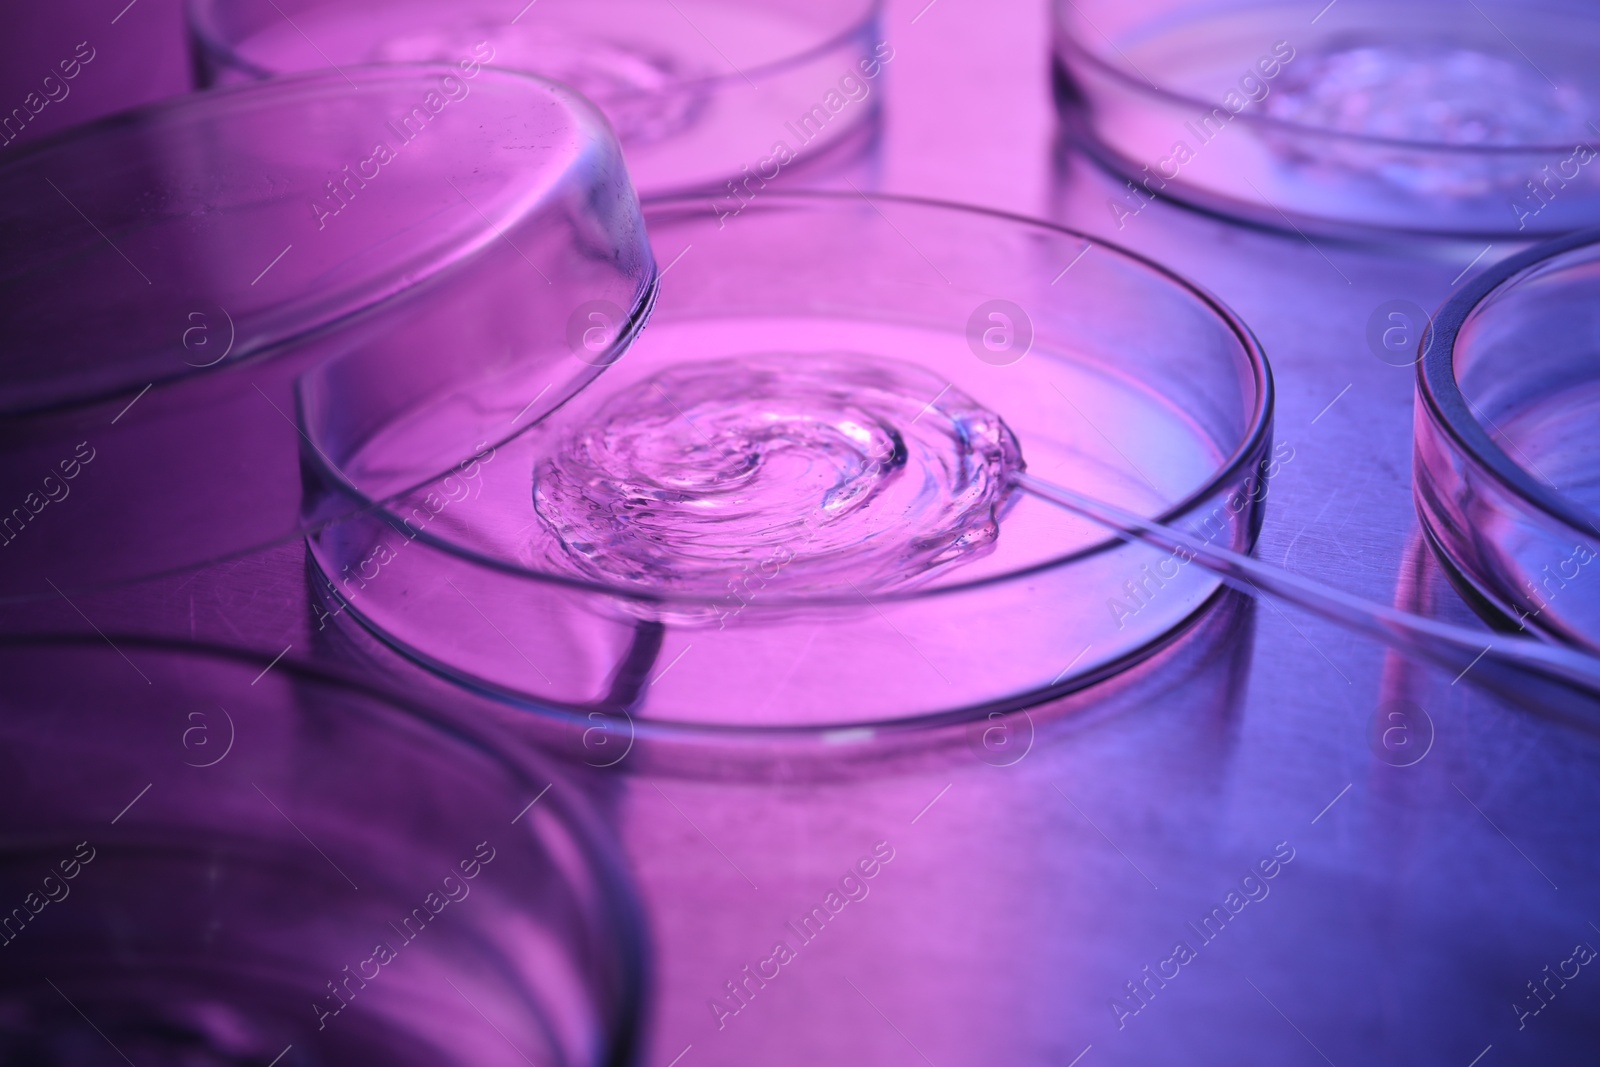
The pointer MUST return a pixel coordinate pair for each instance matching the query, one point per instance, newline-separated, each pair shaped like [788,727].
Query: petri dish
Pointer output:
[1363,118]
[215,862]
[801,335]
[172,275]
[1507,465]
[703,94]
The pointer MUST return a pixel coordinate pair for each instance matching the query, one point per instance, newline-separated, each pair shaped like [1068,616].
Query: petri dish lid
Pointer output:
[173,276]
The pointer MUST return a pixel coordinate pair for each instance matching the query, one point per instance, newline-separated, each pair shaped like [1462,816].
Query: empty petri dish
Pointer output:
[791,504]
[173,275]
[1508,441]
[214,860]
[1423,117]
[703,94]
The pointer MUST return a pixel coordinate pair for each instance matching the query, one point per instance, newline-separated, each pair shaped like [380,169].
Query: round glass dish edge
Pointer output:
[1441,395]
[168,110]
[1072,106]
[1260,420]
[619,905]
[1229,473]
[204,41]
[1300,128]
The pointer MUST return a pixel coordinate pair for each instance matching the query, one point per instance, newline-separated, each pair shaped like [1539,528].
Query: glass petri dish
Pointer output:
[701,93]
[171,275]
[1112,374]
[216,862]
[1365,117]
[1507,461]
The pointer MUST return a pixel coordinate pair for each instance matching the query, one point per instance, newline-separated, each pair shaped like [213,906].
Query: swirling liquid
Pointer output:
[1428,93]
[650,93]
[1435,93]
[817,474]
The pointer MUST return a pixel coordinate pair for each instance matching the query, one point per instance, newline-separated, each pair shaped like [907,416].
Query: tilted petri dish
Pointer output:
[217,862]
[169,274]
[703,94]
[788,507]
[1431,117]
[1508,441]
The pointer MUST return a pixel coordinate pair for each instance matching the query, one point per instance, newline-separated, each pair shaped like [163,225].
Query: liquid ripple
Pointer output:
[1430,93]
[815,473]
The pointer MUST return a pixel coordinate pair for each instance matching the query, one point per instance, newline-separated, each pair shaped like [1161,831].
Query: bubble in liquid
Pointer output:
[1435,94]
[788,473]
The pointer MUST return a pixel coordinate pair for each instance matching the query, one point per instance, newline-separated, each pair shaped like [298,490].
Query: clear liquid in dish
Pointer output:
[1425,93]
[824,473]
[1418,91]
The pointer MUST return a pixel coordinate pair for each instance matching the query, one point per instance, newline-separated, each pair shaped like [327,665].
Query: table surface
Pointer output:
[1410,906]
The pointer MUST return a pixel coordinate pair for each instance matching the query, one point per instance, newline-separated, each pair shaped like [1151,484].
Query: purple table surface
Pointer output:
[1033,913]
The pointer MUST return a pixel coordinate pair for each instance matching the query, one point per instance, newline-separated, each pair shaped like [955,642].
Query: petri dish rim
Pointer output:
[1228,472]
[619,905]
[196,18]
[284,91]
[1070,42]
[662,741]
[1441,393]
